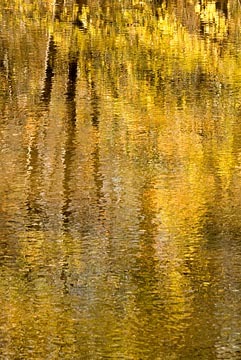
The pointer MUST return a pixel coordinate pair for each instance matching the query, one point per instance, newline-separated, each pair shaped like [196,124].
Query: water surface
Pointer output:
[120,161]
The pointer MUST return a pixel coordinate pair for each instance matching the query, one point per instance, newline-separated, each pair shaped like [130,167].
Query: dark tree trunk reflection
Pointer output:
[71,129]
[49,72]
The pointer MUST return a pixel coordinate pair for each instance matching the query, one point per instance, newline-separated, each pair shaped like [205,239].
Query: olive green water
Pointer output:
[120,163]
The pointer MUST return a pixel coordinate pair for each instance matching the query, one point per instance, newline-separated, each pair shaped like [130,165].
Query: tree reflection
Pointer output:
[70,132]
[120,161]
[49,72]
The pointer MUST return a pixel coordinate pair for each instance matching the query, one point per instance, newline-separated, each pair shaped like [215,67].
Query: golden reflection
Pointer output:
[120,167]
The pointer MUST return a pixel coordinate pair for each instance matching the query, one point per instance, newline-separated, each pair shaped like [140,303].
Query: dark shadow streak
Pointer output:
[49,72]
[95,115]
[95,106]
[71,129]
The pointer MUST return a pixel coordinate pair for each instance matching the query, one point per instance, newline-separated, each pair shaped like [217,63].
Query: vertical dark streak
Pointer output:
[97,173]
[95,114]
[98,178]
[71,128]
[33,205]
[95,106]
[222,5]
[71,88]
[49,72]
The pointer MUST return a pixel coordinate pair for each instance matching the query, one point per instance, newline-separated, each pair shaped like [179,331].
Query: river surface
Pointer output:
[120,163]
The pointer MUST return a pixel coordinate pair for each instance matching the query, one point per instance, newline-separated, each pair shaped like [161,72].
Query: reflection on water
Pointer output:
[120,180]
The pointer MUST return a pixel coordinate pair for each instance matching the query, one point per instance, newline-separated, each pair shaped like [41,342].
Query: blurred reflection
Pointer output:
[120,180]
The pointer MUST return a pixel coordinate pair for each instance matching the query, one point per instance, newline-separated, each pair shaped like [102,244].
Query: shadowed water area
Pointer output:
[120,163]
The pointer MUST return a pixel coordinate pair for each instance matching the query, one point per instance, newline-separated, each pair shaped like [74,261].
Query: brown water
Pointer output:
[120,213]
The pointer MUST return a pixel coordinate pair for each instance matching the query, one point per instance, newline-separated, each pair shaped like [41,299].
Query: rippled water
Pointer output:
[120,160]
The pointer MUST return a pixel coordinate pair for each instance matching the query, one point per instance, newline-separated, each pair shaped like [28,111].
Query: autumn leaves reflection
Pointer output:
[122,147]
